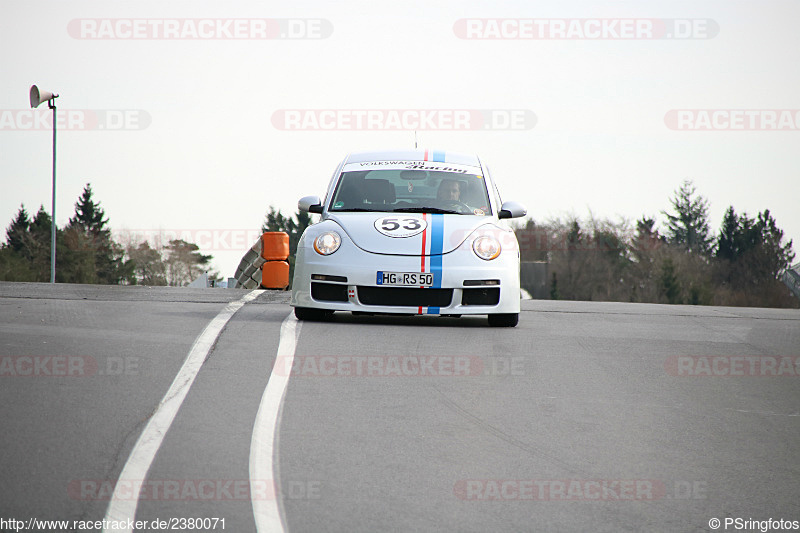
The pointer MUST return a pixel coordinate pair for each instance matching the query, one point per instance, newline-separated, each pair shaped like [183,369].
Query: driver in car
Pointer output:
[449,190]
[449,196]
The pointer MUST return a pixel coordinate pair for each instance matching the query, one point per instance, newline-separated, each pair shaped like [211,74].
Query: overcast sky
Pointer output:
[184,114]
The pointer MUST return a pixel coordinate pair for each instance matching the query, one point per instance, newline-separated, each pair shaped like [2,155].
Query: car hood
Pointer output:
[442,233]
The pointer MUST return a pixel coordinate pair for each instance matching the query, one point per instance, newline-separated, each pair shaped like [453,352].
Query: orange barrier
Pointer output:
[275,246]
[275,274]
[264,264]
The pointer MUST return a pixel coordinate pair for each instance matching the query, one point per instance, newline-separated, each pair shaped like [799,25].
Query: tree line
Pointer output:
[685,263]
[88,253]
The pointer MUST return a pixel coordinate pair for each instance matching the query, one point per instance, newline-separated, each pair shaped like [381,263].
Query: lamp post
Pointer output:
[37,97]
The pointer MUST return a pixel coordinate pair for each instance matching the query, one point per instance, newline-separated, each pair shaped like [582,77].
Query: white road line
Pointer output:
[268,512]
[122,506]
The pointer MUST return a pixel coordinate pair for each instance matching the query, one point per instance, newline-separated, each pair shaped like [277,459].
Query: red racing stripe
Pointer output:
[424,238]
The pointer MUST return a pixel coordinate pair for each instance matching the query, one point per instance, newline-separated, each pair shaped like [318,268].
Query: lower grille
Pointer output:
[402,296]
[328,292]
[486,296]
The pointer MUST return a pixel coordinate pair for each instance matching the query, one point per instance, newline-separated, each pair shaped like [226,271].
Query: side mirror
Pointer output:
[512,210]
[310,204]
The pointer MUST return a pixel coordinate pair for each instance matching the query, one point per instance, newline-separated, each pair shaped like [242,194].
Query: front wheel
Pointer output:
[312,315]
[504,320]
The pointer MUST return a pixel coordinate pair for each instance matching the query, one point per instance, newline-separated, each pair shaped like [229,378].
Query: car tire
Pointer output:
[504,320]
[312,315]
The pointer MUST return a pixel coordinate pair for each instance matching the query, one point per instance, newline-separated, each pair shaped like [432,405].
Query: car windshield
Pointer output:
[411,191]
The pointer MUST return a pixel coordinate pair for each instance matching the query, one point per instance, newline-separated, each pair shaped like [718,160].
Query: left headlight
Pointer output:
[486,247]
[327,243]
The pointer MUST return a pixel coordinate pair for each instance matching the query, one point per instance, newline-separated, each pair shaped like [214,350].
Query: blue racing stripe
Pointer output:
[437,244]
[438,157]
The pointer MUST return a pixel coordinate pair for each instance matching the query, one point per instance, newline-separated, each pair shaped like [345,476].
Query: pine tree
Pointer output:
[751,251]
[688,226]
[96,257]
[768,256]
[17,232]
[275,221]
[16,253]
[728,241]
[40,232]
[26,253]
[89,215]
[669,285]
[645,227]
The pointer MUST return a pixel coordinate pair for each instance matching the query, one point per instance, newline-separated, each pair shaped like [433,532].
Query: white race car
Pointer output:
[409,232]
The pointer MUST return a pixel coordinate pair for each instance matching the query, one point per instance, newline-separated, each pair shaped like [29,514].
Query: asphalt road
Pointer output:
[587,416]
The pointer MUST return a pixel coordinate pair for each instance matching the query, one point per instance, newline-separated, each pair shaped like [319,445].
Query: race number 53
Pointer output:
[400,226]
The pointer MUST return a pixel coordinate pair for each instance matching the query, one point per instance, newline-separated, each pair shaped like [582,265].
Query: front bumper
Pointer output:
[347,281]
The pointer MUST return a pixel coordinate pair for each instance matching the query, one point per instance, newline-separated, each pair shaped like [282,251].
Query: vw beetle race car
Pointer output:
[409,232]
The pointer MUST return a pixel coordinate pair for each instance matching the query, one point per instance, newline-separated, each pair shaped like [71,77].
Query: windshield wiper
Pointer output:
[426,210]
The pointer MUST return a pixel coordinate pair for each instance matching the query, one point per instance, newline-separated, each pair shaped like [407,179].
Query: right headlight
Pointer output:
[486,247]
[327,243]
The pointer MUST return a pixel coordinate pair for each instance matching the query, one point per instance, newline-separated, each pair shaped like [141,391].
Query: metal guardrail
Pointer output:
[791,278]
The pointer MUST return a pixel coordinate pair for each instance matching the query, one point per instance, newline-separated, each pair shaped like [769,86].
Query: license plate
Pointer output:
[405,279]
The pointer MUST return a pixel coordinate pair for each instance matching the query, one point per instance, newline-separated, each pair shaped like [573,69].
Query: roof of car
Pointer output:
[422,154]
